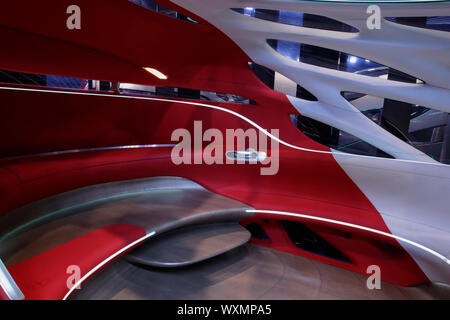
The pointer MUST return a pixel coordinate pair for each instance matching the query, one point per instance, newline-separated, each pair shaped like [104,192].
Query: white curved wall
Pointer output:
[412,196]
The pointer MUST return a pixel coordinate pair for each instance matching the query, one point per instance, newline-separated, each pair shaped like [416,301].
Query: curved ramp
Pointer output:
[158,204]
[190,245]
[248,272]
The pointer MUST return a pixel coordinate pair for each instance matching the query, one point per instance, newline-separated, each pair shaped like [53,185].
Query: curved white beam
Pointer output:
[411,197]
[426,208]
[424,54]
[360,126]
[249,121]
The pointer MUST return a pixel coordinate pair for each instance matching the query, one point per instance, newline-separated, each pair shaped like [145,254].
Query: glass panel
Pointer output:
[184,93]
[22,78]
[441,23]
[65,82]
[298,19]
[267,76]
[41,80]
[423,128]
[335,138]
[154,6]
[50,81]
[332,59]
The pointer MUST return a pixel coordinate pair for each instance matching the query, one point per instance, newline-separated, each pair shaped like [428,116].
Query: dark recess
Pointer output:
[305,239]
[257,231]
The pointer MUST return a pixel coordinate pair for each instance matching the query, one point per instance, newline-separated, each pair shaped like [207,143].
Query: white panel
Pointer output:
[137,87]
[412,196]
[357,124]
[285,85]
[421,53]
[368,102]
[413,199]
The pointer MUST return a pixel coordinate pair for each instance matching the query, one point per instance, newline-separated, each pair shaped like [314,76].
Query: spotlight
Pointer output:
[156,73]
[249,11]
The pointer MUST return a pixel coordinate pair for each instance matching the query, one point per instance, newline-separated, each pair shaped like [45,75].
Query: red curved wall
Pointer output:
[196,56]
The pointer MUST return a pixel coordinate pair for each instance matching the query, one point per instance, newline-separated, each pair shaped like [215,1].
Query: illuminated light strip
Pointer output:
[224,110]
[351,225]
[282,213]
[29,224]
[104,262]
[100,265]
[8,285]
[156,73]
[137,146]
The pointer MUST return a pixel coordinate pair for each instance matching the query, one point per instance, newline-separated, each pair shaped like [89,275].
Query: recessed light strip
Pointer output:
[104,262]
[53,153]
[254,124]
[8,284]
[273,212]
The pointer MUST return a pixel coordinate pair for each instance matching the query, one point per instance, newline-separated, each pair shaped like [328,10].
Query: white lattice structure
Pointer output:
[411,193]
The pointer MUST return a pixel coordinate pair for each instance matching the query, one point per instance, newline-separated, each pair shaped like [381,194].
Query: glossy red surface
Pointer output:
[115,47]
[362,249]
[47,275]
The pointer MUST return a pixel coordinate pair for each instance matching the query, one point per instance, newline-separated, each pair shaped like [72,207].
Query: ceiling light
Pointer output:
[249,11]
[156,73]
